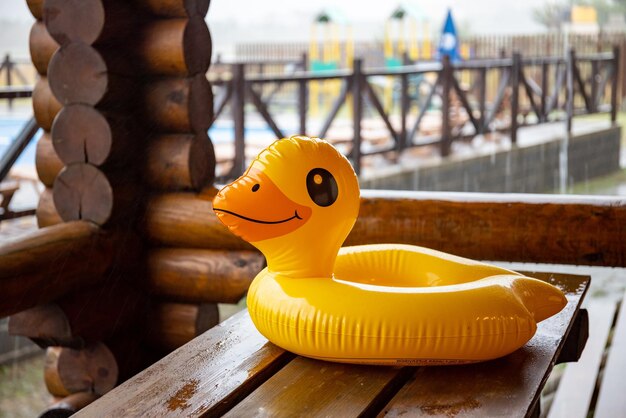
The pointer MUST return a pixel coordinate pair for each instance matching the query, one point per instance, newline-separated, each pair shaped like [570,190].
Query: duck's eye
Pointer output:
[322,187]
[256,187]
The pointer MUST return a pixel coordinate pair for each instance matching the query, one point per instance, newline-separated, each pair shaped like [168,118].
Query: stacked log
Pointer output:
[125,106]
[186,279]
[45,108]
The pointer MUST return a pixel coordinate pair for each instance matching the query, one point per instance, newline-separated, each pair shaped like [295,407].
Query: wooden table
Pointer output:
[233,370]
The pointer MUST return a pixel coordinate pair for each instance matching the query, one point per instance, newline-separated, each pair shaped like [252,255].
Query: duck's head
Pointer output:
[296,203]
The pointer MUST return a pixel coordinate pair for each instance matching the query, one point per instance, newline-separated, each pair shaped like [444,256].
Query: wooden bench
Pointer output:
[588,387]
[233,370]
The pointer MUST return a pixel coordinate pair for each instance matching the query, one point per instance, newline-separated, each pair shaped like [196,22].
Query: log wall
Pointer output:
[130,261]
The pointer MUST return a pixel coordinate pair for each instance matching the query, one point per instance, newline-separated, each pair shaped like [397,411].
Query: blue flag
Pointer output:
[449,41]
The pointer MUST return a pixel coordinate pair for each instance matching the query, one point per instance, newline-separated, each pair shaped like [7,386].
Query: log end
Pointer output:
[78,74]
[81,134]
[197,46]
[82,192]
[69,21]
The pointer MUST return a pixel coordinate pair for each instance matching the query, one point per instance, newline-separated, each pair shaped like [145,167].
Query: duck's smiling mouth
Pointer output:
[295,216]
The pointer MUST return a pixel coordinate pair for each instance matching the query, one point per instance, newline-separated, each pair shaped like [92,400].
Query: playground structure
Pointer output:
[331,48]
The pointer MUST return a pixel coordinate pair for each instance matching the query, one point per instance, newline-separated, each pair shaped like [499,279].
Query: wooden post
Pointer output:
[545,75]
[571,61]
[303,96]
[516,71]
[357,114]
[404,106]
[615,82]
[8,68]
[594,86]
[482,99]
[238,102]
[446,85]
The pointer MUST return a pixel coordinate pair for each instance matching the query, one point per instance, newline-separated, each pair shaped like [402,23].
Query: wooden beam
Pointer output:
[82,317]
[46,212]
[178,104]
[180,162]
[173,47]
[528,228]
[88,21]
[83,192]
[41,266]
[172,325]
[69,405]
[42,46]
[78,73]
[175,8]
[68,371]
[187,220]
[45,104]
[196,275]
[47,162]
[83,134]
[36,8]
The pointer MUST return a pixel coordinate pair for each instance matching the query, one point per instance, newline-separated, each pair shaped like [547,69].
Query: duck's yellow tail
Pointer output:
[540,298]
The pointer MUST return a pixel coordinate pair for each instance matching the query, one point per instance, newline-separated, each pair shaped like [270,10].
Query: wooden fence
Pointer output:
[480,46]
[528,91]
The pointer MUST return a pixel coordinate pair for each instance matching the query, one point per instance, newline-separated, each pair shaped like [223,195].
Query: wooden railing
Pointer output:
[528,91]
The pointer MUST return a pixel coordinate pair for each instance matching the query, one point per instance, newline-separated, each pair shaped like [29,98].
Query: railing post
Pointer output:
[594,86]
[238,104]
[569,105]
[544,91]
[446,84]
[404,106]
[614,82]
[357,113]
[303,96]
[8,67]
[516,70]
[482,99]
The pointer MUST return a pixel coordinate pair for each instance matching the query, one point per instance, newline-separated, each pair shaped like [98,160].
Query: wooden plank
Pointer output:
[204,377]
[509,386]
[307,387]
[573,396]
[611,400]
[219,369]
[528,228]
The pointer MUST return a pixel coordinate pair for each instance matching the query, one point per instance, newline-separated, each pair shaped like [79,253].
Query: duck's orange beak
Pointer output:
[255,209]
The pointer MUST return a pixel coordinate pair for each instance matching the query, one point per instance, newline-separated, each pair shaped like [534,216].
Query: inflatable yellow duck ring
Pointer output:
[385,304]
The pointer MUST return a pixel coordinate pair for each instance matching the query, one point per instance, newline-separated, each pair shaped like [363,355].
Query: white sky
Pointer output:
[483,16]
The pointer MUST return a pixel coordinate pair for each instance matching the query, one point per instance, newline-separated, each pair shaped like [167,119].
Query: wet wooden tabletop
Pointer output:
[232,369]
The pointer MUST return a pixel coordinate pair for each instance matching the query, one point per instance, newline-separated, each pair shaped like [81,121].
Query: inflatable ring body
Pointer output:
[374,304]
[416,316]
